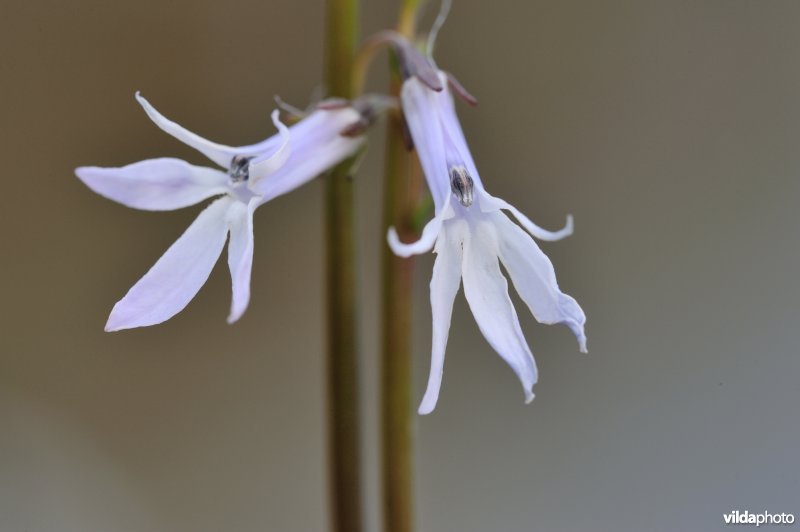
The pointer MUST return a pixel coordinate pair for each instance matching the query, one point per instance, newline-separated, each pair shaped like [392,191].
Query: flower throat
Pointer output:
[461,184]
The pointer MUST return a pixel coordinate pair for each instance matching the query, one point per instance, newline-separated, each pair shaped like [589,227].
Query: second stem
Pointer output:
[401,195]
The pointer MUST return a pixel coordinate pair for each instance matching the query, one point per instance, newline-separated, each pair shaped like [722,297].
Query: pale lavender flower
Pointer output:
[470,233]
[251,176]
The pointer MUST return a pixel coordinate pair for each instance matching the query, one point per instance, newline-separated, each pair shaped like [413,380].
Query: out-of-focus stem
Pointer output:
[407,21]
[403,188]
[343,374]
[398,274]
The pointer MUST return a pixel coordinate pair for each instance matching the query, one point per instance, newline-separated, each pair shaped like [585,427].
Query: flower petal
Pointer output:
[178,275]
[487,293]
[421,111]
[273,159]
[444,285]
[535,279]
[308,165]
[219,153]
[315,147]
[426,241]
[155,184]
[453,133]
[489,203]
[240,255]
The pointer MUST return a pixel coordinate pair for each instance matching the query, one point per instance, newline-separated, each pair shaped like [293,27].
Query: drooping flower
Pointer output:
[472,236]
[252,176]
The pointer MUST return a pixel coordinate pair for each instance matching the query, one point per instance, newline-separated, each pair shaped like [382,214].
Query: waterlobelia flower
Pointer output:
[471,232]
[251,176]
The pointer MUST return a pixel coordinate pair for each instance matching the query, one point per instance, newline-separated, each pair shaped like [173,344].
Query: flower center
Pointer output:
[240,169]
[461,184]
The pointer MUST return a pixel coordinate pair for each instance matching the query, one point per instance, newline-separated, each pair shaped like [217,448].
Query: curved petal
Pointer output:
[535,279]
[219,153]
[155,184]
[489,203]
[444,285]
[240,255]
[178,275]
[487,294]
[444,10]
[268,163]
[426,241]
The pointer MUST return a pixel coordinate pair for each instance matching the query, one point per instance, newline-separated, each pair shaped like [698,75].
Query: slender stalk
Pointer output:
[402,192]
[396,369]
[407,21]
[343,376]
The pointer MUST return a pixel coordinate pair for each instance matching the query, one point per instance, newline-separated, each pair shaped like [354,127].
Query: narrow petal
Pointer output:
[273,159]
[174,280]
[421,111]
[444,285]
[535,279]
[426,241]
[240,255]
[155,184]
[219,153]
[490,203]
[444,10]
[459,89]
[487,294]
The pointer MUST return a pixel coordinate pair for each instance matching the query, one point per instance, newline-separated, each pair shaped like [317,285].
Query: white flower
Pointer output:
[471,233]
[252,176]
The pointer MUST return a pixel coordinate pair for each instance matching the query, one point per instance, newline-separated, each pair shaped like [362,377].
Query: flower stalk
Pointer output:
[343,375]
[403,188]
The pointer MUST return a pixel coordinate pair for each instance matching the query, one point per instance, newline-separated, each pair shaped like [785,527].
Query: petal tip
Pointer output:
[580,335]
[147,106]
[569,228]
[582,345]
[398,248]
[114,323]
[529,396]
[234,316]
[82,173]
[429,401]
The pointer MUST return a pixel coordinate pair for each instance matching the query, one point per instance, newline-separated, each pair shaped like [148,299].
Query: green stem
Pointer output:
[343,380]
[407,21]
[396,369]
[402,191]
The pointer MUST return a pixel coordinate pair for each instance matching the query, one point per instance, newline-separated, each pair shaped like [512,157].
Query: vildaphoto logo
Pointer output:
[764,518]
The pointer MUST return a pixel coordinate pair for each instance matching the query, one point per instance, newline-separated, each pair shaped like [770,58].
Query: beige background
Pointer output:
[669,129]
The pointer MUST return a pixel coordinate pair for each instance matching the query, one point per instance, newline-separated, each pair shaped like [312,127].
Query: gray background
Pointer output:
[669,130]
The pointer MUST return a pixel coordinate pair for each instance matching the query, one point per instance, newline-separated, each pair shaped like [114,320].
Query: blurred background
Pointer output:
[668,129]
